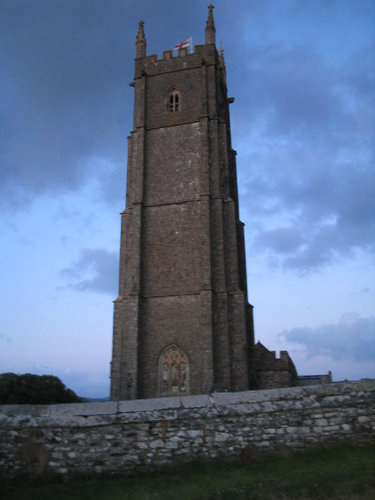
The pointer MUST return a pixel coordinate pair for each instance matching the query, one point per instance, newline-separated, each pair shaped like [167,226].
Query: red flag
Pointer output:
[184,44]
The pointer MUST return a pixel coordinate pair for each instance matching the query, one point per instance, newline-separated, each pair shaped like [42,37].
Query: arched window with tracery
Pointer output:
[174,101]
[173,371]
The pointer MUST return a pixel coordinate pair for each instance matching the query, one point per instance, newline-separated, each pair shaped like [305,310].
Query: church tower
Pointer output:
[182,322]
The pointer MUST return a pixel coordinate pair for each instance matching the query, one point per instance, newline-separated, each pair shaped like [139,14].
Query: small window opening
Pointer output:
[174,102]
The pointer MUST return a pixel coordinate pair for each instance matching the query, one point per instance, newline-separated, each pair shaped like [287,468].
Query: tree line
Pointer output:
[34,389]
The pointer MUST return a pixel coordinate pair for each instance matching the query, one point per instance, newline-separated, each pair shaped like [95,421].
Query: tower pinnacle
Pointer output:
[221,58]
[210,26]
[141,42]
[222,64]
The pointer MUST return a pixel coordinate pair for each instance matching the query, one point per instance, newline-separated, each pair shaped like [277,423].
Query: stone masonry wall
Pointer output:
[119,436]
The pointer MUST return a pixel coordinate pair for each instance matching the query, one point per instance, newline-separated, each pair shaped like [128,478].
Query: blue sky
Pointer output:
[302,74]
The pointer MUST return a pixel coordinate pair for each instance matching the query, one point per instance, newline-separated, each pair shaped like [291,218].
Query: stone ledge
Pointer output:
[136,405]
[200,401]
[84,409]
[262,400]
[111,436]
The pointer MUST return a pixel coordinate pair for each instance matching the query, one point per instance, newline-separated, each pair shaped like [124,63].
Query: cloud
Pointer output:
[100,264]
[282,240]
[325,214]
[352,338]
[295,89]
[310,181]
[64,93]
[65,97]
[305,120]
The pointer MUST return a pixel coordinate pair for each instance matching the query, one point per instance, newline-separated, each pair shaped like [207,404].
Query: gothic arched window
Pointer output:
[174,101]
[173,371]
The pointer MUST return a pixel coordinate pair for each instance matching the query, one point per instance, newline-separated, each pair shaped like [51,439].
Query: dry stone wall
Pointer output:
[119,436]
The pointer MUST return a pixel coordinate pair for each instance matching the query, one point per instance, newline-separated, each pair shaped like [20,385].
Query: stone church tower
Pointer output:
[182,322]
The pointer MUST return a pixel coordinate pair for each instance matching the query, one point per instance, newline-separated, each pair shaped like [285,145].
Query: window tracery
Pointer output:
[173,371]
[174,102]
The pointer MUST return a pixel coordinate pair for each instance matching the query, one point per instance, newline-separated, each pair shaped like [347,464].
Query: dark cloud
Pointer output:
[304,120]
[311,156]
[282,240]
[294,89]
[100,265]
[65,99]
[352,338]
[358,74]
[329,211]
[61,93]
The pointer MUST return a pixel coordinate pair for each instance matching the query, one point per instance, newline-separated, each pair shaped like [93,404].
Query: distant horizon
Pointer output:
[96,396]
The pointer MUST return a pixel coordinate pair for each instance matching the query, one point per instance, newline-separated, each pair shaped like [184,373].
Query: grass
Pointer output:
[339,473]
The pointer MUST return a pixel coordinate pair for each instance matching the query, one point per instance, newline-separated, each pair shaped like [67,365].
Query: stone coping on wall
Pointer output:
[217,403]
[120,436]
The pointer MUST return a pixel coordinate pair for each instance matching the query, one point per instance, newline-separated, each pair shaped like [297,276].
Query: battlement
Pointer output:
[202,54]
[151,65]
[273,371]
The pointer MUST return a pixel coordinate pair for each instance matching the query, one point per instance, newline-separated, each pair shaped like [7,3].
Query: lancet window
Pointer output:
[174,102]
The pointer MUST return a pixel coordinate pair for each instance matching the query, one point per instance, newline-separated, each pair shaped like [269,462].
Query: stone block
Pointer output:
[194,433]
[158,443]
[152,404]
[203,400]
[222,436]
[321,422]
[83,409]
[363,419]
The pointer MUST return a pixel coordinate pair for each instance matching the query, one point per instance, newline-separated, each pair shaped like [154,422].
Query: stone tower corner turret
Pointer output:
[210,27]
[141,42]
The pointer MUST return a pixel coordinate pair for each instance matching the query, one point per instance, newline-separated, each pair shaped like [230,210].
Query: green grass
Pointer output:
[339,473]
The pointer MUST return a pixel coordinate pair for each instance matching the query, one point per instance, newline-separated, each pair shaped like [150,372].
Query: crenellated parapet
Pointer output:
[171,61]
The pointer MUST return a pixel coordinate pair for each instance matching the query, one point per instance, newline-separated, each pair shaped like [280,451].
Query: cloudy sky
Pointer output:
[302,74]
